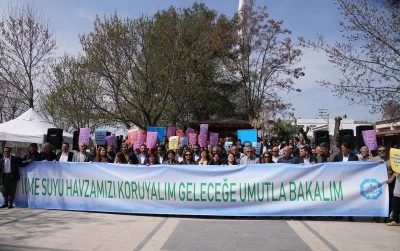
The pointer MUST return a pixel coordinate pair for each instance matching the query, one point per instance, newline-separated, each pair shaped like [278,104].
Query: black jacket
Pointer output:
[70,156]
[15,164]
[339,157]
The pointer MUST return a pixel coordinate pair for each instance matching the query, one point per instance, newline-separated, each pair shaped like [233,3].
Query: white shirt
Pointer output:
[275,159]
[64,157]
[142,159]
[7,165]
[345,159]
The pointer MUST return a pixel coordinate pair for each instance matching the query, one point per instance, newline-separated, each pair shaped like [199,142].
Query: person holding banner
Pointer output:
[92,154]
[204,158]
[230,160]
[143,157]
[82,155]
[101,155]
[188,159]
[120,158]
[364,154]
[130,157]
[249,158]
[345,155]
[395,200]
[171,158]
[47,154]
[216,160]
[65,155]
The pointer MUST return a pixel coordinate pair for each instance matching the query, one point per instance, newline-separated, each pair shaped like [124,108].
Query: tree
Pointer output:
[265,60]
[72,89]
[26,47]
[369,56]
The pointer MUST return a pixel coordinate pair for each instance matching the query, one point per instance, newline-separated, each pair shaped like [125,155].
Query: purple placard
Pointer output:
[111,140]
[192,138]
[84,135]
[188,131]
[369,137]
[204,129]
[171,131]
[202,140]
[151,140]
[213,138]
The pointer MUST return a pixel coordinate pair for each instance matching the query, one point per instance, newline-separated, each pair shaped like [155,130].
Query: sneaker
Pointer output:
[4,205]
[10,206]
[393,224]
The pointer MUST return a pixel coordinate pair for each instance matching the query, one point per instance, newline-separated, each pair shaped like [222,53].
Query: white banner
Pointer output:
[332,189]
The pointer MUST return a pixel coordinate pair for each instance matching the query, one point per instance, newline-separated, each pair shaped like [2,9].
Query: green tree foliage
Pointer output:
[369,55]
[284,130]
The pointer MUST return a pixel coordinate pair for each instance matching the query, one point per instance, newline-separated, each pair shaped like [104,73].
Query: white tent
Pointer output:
[30,127]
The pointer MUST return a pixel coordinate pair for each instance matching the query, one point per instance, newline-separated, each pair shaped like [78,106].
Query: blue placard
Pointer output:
[247,135]
[161,132]
[100,136]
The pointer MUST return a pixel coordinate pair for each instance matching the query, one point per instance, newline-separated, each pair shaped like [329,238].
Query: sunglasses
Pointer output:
[187,154]
[381,151]
[267,156]
[249,151]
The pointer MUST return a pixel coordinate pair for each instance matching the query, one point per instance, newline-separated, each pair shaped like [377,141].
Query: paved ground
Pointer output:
[34,229]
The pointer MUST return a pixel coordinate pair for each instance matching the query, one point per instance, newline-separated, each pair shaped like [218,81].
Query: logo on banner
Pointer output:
[371,189]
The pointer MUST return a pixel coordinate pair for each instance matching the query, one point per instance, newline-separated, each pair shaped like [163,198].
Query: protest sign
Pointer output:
[132,135]
[395,159]
[369,137]
[213,138]
[171,131]
[202,139]
[173,143]
[184,141]
[111,140]
[84,136]
[204,129]
[192,139]
[180,133]
[151,140]
[100,136]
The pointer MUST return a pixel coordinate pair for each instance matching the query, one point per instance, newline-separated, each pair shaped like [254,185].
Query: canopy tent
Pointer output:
[29,127]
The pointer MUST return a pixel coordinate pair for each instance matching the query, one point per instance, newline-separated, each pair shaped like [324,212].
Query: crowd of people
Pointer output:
[293,152]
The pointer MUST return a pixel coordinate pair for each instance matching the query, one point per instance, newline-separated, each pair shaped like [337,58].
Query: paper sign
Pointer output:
[141,139]
[84,135]
[213,138]
[192,139]
[247,135]
[395,159]
[202,140]
[132,135]
[100,136]
[188,131]
[257,147]
[204,129]
[369,137]
[171,131]
[173,143]
[227,145]
[184,141]
[136,145]
[180,133]
[111,140]
[151,140]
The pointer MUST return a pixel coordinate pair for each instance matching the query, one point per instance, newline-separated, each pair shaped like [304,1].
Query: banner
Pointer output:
[213,138]
[173,143]
[329,189]
[84,136]
[369,137]
[171,131]
[192,139]
[161,132]
[202,139]
[100,137]
[204,129]
[395,159]
[151,140]
[111,140]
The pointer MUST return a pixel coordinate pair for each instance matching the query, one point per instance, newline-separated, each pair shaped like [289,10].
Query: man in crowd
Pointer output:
[250,157]
[179,154]
[324,155]
[306,157]
[235,151]
[47,154]
[364,154]
[65,155]
[9,176]
[345,154]
[82,155]
[275,154]
[196,152]
[110,153]
[287,157]
[161,154]
[130,157]
[32,155]
[264,145]
[143,156]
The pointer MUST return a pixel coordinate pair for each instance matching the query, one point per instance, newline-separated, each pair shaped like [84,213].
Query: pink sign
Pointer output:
[192,138]
[171,131]
[180,133]
[84,135]
[204,129]
[132,134]
[369,137]
[111,140]
[141,139]
[136,145]
[151,140]
[202,140]
[188,131]
[213,138]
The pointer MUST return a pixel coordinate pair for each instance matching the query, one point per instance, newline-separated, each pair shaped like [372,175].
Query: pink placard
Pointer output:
[151,140]
[192,138]
[204,129]
[84,135]
[202,140]
[171,131]
[213,138]
[136,145]
[141,139]
[369,137]
[180,133]
[132,134]
[188,131]
[111,140]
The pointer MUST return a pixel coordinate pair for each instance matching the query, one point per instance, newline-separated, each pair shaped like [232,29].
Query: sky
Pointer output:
[306,18]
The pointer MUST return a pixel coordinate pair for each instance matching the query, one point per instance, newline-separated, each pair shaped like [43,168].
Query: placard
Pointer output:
[173,143]
[213,138]
[204,129]
[100,136]
[369,137]
[84,136]
[192,139]
[151,140]
[202,140]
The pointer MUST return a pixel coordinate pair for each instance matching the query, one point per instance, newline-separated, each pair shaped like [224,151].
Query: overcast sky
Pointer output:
[306,18]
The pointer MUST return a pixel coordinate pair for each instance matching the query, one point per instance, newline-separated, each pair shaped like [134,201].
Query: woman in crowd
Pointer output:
[187,160]
[266,158]
[120,158]
[204,158]
[216,159]
[101,155]
[171,158]
[230,160]
[92,154]
[152,160]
